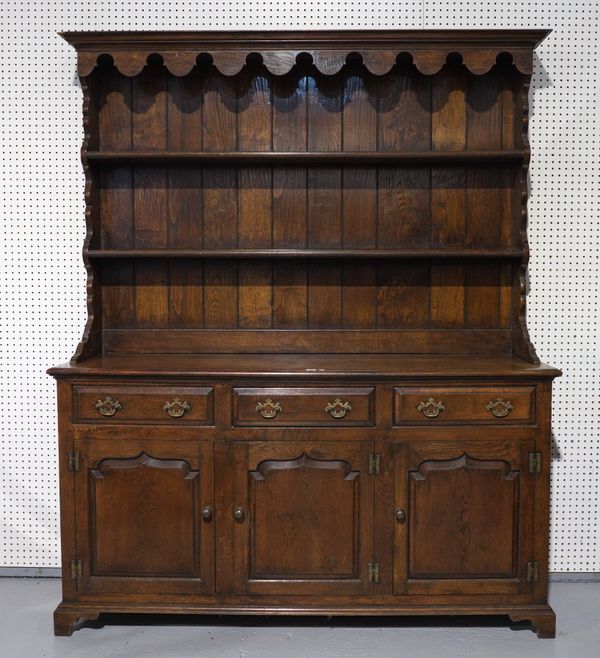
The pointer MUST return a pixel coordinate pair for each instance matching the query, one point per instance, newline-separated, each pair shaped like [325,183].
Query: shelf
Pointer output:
[317,366]
[304,253]
[316,159]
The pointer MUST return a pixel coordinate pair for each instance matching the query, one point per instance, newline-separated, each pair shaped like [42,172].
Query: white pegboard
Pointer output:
[42,291]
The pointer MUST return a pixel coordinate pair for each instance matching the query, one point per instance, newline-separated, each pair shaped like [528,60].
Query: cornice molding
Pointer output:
[329,51]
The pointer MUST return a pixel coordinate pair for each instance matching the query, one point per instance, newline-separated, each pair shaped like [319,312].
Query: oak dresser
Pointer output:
[305,385]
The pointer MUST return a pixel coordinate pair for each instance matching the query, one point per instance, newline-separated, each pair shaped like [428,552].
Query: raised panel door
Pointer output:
[144,516]
[303,518]
[463,517]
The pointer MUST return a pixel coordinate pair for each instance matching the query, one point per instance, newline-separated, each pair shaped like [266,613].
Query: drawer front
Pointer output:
[155,404]
[344,407]
[439,405]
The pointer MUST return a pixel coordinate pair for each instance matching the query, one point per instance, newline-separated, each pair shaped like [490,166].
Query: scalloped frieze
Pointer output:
[328,62]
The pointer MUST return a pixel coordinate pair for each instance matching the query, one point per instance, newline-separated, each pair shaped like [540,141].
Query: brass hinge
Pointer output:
[373,572]
[73,461]
[76,569]
[535,463]
[374,463]
[533,572]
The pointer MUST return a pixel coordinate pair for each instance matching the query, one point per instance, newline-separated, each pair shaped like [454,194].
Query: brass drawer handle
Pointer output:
[176,408]
[337,408]
[207,513]
[499,407]
[268,408]
[431,408]
[400,515]
[238,514]
[108,406]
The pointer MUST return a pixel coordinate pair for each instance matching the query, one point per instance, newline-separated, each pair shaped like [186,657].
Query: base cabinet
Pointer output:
[302,517]
[362,520]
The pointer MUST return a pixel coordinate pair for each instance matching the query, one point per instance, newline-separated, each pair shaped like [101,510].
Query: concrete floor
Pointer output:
[26,607]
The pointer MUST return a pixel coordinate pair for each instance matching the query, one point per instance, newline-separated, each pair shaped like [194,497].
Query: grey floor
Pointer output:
[26,632]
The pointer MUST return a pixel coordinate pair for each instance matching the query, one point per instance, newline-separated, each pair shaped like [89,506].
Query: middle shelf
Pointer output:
[160,209]
[305,253]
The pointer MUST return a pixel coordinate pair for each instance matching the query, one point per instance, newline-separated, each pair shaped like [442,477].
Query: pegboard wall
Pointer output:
[42,291]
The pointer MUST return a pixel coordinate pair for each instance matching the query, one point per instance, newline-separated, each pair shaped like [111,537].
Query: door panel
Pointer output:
[139,522]
[468,517]
[308,518]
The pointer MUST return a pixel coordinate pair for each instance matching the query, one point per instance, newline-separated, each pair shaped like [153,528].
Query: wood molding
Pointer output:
[308,341]
[329,51]
[303,461]
[143,459]
[464,461]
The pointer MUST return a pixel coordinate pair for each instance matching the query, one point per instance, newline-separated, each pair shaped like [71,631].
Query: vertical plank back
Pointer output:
[358,207]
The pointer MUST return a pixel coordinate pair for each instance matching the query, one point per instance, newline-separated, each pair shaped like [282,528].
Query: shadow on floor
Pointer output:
[258,621]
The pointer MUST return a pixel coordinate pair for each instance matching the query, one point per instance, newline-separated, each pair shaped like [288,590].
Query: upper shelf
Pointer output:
[315,158]
[329,51]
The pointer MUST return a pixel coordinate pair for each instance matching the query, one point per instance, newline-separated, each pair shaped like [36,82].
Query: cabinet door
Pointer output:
[304,518]
[139,521]
[463,518]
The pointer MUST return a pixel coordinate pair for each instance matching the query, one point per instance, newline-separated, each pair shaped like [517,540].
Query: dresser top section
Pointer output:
[402,197]
[329,50]
[308,366]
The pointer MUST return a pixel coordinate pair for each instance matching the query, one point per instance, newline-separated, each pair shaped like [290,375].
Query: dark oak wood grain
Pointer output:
[306,384]
[476,540]
[316,157]
[466,405]
[306,253]
[143,403]
[298,407]
[281,486]
[169,548]
[307,365]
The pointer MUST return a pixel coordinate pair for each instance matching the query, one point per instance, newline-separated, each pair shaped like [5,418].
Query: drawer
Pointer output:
[152,404]
[300,407]
[446,405]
